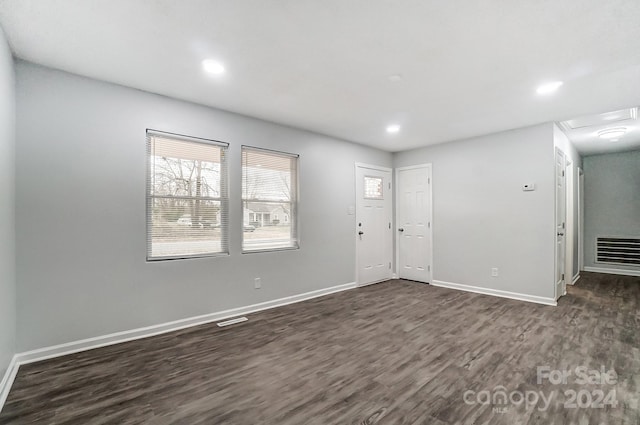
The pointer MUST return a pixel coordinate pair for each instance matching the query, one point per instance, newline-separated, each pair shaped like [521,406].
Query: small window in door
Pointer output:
[373,187]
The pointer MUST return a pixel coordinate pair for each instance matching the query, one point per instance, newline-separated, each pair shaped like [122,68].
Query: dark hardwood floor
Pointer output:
[394,353]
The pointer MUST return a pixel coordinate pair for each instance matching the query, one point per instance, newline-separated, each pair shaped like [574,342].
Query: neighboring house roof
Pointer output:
[260,207]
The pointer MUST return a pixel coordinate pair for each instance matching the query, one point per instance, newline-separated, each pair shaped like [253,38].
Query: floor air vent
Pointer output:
[232,321]
[614,250]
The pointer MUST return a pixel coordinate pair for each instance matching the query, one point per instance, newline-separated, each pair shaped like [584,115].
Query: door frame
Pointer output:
[569,187]
[580,220]
[555,229]
[429,168]
[355,233]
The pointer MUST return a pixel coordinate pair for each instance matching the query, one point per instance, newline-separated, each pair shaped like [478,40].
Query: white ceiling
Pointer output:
[468,67]
[583,132]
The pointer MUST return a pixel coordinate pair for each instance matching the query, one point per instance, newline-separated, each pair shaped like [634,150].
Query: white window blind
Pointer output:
[187,197]
[269,200]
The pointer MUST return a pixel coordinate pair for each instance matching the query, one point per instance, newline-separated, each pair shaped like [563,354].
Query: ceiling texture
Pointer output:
[466,67]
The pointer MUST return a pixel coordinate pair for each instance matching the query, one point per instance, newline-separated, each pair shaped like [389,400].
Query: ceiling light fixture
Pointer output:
[394,128]
[549,88]
[612,134]
[213,67]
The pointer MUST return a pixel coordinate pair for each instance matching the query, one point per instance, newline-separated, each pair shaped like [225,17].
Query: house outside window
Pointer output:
[269,200]
[187,197]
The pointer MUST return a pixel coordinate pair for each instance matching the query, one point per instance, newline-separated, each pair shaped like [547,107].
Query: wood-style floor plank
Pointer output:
[399,352]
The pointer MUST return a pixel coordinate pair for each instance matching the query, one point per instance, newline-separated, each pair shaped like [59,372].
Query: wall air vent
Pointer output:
[618,250]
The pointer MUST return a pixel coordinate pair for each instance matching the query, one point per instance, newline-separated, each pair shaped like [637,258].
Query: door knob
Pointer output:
[401,230]
[361,233]
[560,234]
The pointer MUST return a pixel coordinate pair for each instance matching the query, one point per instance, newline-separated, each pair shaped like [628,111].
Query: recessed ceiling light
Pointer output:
[395,78]
[394,128]
[612,134]
[549,88]
[213,67]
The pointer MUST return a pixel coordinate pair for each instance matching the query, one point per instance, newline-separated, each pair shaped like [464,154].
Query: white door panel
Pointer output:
[414,223]
[561,203]
[373,224]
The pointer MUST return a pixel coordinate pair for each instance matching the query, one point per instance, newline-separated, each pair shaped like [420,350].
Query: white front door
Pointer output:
[413,218]
[373,224]
[561,205]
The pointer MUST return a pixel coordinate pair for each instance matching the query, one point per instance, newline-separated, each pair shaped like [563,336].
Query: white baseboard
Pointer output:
[575,279]
[612,271]
[7,380]
[133,334]
[495,292]
[130,335]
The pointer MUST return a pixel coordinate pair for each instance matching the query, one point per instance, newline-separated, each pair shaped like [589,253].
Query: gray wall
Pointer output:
[481,216]
[611,201]
[7,203]
[81,212]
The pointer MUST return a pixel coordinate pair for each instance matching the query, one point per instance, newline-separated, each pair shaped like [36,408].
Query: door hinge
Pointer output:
[429,225]
[563,225]
[389,225]
[562,276]
[389,264]
[563,173]
[428,180]
[389,185]
[428,268]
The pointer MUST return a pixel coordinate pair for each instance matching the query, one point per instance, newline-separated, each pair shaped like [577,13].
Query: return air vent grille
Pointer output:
[618,250]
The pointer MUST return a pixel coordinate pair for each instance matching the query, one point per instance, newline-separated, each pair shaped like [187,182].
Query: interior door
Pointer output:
[413,218]
[373,224]
[561,205]
[581,220]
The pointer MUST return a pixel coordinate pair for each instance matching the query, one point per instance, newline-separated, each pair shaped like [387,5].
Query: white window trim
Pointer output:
[224,200]
[296,192]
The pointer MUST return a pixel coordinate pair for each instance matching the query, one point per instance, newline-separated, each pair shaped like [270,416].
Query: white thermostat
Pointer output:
[528,187]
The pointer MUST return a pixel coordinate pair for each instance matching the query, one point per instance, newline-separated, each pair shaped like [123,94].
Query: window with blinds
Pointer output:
[187,197]
[269,200]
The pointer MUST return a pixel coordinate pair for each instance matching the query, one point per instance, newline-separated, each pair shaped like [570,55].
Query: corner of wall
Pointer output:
[7,212]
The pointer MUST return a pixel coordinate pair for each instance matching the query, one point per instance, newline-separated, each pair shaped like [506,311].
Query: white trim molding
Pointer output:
[7,380]
[130,335]
[575,279]
[612,271]
[149,331]
[373,167]
[496,292]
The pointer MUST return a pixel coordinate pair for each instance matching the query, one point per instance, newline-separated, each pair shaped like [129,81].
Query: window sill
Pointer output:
[270,249]
[187,257]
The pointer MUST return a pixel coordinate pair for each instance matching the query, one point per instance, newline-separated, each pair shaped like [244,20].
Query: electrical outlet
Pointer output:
[257,283]
[494,271]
